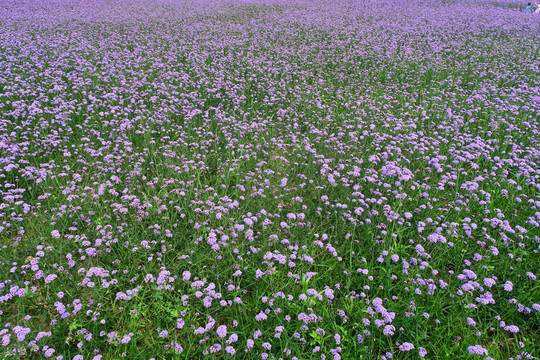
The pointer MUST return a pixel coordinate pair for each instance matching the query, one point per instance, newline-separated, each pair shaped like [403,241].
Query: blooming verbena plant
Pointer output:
[273,179]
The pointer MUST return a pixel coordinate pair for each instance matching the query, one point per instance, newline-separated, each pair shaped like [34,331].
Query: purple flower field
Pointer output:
[271,179]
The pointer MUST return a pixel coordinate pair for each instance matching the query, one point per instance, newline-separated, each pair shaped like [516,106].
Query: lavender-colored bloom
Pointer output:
[221,331]
[215,348]
[389,330]
[49,352]
[261,316]
[50,278]
[177,347]
[21,332]
[406,346]
[6,339]
[126,338]
[477,349]
[512,328]
[232,339]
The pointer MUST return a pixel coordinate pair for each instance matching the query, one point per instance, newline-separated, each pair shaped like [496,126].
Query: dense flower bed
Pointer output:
[269,179]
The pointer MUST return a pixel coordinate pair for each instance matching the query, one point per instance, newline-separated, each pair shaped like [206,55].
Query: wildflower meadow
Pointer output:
[269,179]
